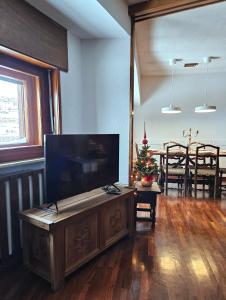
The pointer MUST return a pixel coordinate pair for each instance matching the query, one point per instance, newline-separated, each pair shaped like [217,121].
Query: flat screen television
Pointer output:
[77,163]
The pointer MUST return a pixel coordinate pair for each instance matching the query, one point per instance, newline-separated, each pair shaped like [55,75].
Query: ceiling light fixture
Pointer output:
[171,109]
[206,108]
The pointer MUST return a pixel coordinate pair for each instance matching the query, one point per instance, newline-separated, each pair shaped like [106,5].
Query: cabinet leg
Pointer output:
[131,211]
[57,256]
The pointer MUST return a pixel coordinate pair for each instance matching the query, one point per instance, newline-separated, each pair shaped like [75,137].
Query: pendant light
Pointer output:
[206,108]
[171,109]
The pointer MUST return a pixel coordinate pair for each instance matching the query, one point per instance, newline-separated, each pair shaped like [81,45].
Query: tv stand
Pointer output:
[57,244]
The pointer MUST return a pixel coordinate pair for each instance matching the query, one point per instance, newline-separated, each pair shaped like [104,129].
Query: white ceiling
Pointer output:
[189,35]
[87,19]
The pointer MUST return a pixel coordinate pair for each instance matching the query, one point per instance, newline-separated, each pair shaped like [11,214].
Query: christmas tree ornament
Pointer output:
[145,141]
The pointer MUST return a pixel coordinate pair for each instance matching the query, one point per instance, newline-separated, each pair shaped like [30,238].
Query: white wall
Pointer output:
[95,91]
[118,9]
[71,88]
[188,93]
[106,67]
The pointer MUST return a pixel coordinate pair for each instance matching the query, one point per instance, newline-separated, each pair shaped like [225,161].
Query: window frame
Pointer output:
[31,105]
[48,94]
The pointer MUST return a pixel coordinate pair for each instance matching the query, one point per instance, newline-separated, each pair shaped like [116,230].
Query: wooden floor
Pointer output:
[184,258]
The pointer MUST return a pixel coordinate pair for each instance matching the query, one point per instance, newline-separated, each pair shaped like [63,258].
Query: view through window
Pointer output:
[12,122]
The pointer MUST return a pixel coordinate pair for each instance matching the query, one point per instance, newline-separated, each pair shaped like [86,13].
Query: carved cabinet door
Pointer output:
[114,220]
[81,241]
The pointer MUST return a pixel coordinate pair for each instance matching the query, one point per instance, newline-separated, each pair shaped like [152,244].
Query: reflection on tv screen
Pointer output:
[79,163]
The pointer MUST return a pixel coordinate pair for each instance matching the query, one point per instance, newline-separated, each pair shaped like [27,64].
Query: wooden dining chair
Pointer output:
[176,167]
[222,180]
[162,163]
[206,169]
[192,151]
[163,155]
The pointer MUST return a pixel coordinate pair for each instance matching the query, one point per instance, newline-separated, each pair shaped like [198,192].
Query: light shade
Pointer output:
[205,108]
[171,110]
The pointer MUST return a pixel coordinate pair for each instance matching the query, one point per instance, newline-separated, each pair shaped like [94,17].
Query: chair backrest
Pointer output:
[192,152]
[177,156]
[169,144]
[163,156]
[207,156]
[194,145]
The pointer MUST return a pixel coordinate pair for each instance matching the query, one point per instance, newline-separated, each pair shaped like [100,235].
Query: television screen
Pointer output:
[78,163]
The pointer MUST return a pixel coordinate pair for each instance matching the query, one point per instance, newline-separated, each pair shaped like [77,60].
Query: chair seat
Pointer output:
[223,170]
[175,171]
[205,172]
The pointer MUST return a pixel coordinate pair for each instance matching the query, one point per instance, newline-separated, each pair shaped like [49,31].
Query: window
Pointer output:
[12,112]
[24,109]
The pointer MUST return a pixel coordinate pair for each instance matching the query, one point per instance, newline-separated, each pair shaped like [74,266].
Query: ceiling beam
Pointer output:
[154,8]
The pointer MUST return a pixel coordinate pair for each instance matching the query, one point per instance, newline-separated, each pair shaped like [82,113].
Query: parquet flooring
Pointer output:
[183,258]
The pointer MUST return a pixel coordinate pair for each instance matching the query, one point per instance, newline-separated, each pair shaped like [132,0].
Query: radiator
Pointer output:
[19,191]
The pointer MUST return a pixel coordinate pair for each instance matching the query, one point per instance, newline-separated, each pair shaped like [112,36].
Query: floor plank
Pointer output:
[183,258]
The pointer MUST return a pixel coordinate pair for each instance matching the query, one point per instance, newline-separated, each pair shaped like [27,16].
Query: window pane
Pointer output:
[12,123]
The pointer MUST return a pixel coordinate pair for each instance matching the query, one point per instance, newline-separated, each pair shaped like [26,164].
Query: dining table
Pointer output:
[181,153]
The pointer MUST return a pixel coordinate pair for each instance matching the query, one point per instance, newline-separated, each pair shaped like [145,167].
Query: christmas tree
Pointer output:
[146,165]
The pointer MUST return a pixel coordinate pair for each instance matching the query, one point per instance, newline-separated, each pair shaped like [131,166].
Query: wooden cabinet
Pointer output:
[56,244]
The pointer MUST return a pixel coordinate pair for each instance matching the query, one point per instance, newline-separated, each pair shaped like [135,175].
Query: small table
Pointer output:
[147,195]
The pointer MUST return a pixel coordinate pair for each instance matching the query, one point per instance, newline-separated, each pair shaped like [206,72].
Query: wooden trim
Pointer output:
[131,131]
[155,8]
[56,101]
[21,153]
[33,61]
